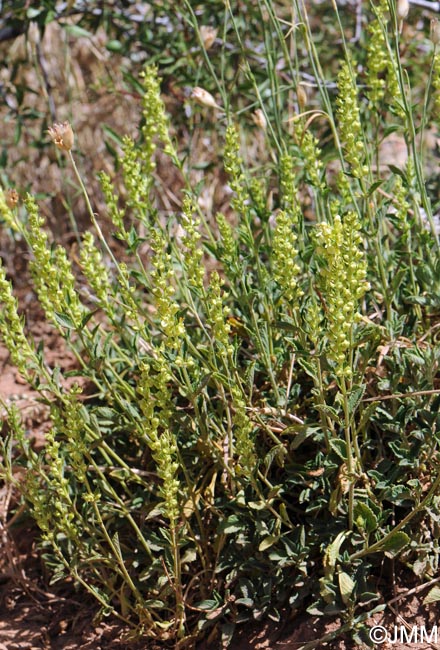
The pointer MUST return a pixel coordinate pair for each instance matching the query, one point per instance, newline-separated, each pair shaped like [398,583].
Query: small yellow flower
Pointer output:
[11,197]
[204,98]
[62,135]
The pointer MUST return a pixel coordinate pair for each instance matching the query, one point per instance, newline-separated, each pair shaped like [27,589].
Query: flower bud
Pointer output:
[204,98]
[62,136]
[435,31]
[260,119]
[11,198]
[301,96]
[208,34]
[402,10]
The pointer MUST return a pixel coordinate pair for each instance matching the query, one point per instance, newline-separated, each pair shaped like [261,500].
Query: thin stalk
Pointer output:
[115,551]
[180,601]
[350,459]
[124,509]
[91,213]
[402,77]
[427,94]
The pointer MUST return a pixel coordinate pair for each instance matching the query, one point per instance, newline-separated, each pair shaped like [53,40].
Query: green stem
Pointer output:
[411,129]
[350,459]
[91,213]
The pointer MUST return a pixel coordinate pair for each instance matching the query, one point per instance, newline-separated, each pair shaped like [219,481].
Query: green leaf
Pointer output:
[283,514]
[368,597]
[32,13]
[257,505]
[105,412]
[332,552]
[327,589]
[329,410]
[315,609]
[419,567]
[120,473]
[398,171]
[50,16]
[114,46]
[56,375]
[303,431]
[115,155]
[433,596]
[395,543]
[117,546]
[85,319]
[64,320]
[112,134]
[247,602]
[208,605]
[230,525]
[364,517]
[355,397]
[268,542]
[201,384]
[340,447]
[164,625]
[17,131]
[309,368]
[133,81]
[4,158]
[227,631]
[374,187]
[346,586]
[76,31]
[366,416]
[397,279]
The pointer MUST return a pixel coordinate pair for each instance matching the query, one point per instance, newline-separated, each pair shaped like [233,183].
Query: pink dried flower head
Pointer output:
[11,197]
[204,98]
[62,135]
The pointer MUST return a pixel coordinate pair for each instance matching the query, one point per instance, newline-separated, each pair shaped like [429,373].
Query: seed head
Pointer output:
[208,34]
[11,197]
[204,98]
[62,135]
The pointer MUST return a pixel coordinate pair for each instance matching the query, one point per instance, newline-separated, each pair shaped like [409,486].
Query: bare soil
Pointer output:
[36,617]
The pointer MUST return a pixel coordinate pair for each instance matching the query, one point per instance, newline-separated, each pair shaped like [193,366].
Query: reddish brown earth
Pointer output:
[34,618]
